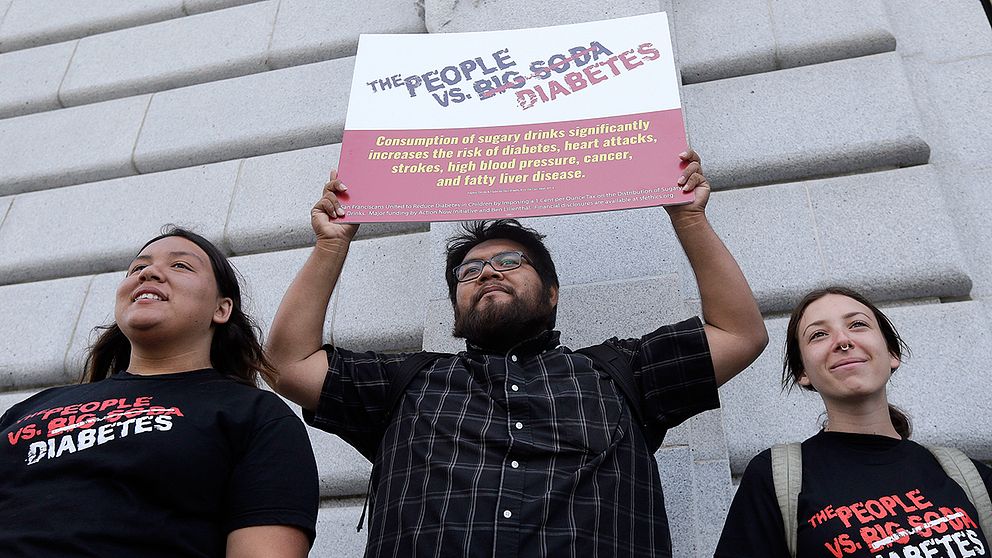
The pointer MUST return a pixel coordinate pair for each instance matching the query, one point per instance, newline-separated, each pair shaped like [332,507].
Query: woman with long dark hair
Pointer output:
[861,488]
[168,448]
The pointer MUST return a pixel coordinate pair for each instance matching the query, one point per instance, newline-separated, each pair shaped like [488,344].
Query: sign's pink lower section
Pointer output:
[558,168]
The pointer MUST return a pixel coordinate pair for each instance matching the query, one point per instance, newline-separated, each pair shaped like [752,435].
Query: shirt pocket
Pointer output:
[586,411]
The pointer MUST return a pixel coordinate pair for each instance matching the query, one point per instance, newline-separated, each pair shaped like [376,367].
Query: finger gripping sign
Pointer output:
[549,121]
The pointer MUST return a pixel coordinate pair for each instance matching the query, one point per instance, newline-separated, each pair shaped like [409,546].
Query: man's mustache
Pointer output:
[490,288]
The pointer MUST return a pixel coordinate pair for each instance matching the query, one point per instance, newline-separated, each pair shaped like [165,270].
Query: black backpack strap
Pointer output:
[397,386]
[615,363]
[398,383]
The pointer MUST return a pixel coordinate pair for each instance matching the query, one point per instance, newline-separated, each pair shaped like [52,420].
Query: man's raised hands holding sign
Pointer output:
[516,445]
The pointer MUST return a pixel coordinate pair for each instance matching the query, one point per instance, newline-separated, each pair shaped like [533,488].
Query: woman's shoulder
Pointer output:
[765,457]
[269,404]
[760,466]
[260,402]
[983,469]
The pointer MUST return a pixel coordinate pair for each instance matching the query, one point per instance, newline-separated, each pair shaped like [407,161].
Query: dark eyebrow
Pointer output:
[478,259]
[179,254]
[845,316]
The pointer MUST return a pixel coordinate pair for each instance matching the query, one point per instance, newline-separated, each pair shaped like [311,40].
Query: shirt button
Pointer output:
[519,425]
[507,514]
[514,464]
[513,358]
[515,387]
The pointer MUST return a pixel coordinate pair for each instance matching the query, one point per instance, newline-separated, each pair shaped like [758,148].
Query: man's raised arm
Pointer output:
[293,344]
[735,330]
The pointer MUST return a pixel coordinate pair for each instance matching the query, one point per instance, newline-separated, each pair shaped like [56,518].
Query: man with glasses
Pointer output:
[516,446]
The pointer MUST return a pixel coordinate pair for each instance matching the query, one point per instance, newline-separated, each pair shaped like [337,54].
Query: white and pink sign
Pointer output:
[549,121]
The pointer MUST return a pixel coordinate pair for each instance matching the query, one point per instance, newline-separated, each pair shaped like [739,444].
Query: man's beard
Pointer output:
[500,325]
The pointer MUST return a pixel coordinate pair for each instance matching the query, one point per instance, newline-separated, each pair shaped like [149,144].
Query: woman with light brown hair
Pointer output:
[860,487]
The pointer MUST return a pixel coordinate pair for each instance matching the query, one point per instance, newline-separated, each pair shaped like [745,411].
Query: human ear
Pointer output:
[223,312]
[894,362]
[803,380]
[553,296]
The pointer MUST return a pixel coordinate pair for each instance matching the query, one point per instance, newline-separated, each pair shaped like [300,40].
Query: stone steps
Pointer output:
[28,23]
[200,48]
[256,36]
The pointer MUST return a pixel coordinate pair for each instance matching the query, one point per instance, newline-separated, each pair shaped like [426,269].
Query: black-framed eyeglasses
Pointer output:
[504,261]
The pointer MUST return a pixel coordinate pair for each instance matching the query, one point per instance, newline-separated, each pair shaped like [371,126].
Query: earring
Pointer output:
[846,347]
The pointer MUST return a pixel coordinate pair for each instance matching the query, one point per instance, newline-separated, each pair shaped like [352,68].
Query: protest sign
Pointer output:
[549,121]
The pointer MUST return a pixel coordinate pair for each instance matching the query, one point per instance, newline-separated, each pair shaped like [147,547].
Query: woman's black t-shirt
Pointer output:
[863,496]
[148,466]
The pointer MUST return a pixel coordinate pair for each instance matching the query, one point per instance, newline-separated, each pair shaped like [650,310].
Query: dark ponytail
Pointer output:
[901,422]
[109,353]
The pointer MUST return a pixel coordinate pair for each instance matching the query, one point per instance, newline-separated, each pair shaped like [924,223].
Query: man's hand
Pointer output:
[325,214]
[692,180]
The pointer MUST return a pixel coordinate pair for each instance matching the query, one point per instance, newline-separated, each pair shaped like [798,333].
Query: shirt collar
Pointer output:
[547,340]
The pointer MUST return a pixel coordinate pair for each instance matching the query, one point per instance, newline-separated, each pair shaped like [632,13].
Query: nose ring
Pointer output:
[846,347]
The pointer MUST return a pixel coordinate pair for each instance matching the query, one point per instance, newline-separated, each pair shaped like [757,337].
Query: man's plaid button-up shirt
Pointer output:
[532,452]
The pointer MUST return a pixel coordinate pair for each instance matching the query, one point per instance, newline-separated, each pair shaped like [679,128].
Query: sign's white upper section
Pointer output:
[526,76]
